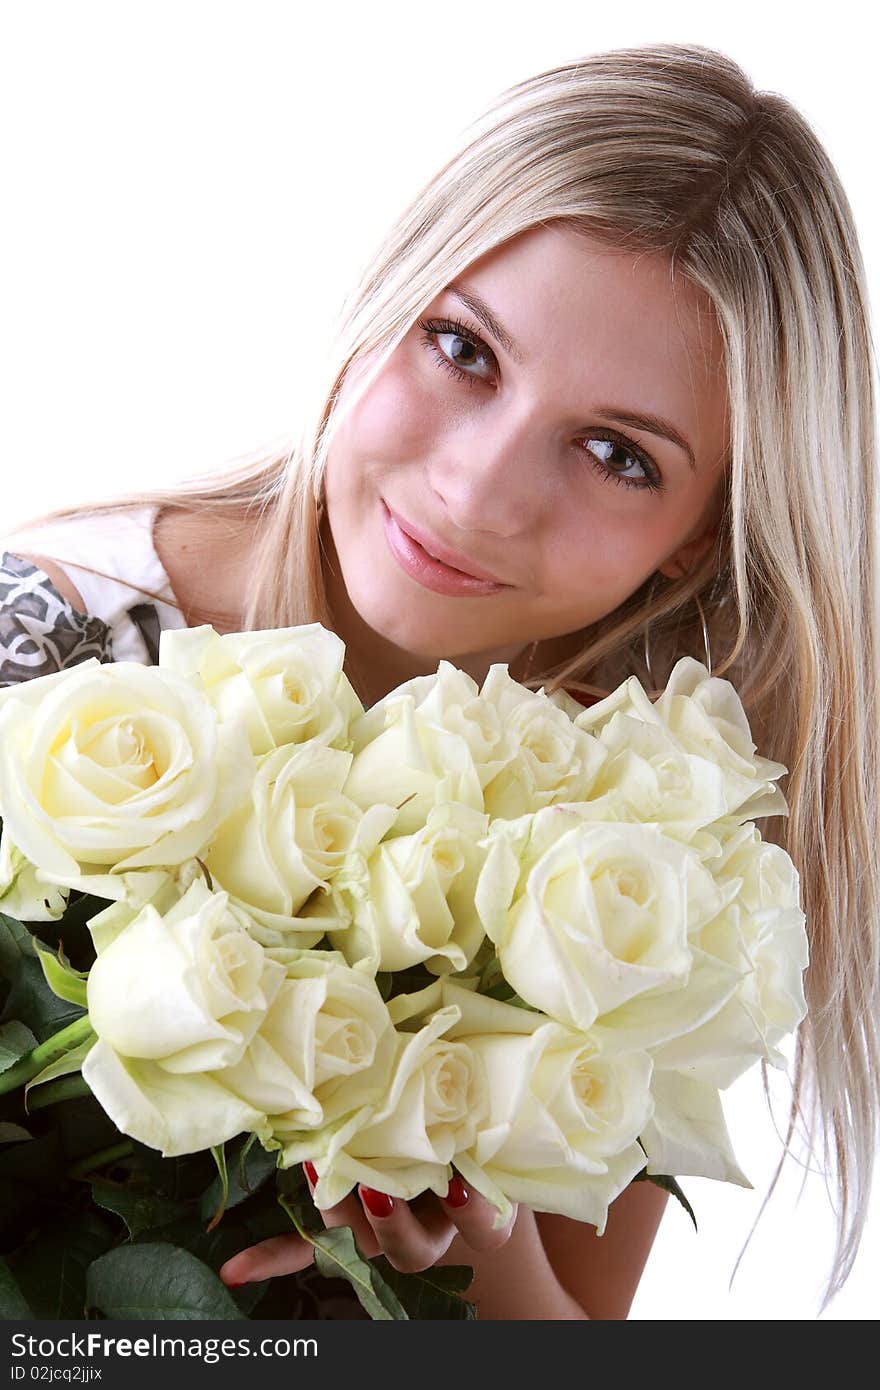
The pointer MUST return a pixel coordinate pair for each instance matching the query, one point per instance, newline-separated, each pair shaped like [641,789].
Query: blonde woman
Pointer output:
[603,398]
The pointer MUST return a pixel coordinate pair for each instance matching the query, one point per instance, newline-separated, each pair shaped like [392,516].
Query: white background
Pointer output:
[188,191]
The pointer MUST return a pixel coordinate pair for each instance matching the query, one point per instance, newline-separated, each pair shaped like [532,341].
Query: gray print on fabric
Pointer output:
[40,631]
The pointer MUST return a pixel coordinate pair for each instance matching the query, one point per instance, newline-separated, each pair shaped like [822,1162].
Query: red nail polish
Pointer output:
[376,1203]
[311,1173]
[235,1283]
[457,1194]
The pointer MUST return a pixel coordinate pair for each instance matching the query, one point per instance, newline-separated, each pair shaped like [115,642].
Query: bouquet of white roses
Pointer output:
[481,928]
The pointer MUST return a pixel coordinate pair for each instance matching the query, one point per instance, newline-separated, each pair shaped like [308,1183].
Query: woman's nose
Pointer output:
[492,479]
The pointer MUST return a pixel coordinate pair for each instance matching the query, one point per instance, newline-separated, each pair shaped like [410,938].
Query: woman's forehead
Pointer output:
[559,273]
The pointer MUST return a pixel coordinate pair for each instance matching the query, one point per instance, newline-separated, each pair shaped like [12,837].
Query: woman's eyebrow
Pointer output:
[480,310]
[651,424]
[638,420]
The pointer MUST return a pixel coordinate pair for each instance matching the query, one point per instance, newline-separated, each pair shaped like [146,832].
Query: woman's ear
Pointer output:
[688,556]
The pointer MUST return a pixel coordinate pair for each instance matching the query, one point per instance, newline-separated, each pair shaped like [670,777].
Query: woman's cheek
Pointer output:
[398,417]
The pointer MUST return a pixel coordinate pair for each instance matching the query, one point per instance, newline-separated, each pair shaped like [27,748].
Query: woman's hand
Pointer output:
[411,1235]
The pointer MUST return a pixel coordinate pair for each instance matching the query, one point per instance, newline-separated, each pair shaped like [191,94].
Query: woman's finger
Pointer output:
[278,1255]
[348,1212]
[409,1241]
[474,1216]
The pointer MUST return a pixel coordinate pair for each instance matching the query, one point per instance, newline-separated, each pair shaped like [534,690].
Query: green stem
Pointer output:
[66,1088]
[49,1051]
[100,1159]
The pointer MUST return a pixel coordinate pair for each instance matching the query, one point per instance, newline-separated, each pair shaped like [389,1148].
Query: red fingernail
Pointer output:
[376,1203]
[457,1194]
[311,1173]
[235,1283]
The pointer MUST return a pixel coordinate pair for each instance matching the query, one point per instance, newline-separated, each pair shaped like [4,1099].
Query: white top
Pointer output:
[120,546]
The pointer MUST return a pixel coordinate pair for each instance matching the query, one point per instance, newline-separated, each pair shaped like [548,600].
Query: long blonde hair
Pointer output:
[669,148]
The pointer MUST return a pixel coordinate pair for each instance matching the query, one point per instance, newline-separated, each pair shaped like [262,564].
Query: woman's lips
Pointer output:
[431,573]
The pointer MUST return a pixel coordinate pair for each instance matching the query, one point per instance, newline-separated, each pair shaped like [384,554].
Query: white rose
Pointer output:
[705,715]
[432,741]
[286,684]
[587,916]
[431,1109]
[552,760]
[414,898]
[648,777]
[118,766]
[709,755]
[23,894]
[561,1129]
[324,1049]
[687,1133]
[291,837]
[760,936]
[630,698]
[176,998]
[450,700]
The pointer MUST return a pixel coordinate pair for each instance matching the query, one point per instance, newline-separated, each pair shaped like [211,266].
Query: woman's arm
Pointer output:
[603,1272]
[516,1282]
[553,1268]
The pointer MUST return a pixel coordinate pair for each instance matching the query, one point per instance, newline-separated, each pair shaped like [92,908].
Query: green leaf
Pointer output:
[249,1167]
[64,981]
[32,1001]
[177,1178]
[84,1128]
[65,1088]
[140,1210]
[157,1281]
[110,1156]
[12,1301]
[15,1042]
[11,1133]
[30,1173]
[35,1162]
[57,1045]
[669,1185]
[431,1293]
[65,1065]
[337,1255]
[218,1153]
[51,1270]
[213,1248]
[16,943]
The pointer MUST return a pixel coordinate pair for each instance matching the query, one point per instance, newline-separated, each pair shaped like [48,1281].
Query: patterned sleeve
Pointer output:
[40,631]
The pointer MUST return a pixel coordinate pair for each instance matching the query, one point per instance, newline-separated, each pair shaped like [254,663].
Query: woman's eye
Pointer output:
[602,453]
[458,349]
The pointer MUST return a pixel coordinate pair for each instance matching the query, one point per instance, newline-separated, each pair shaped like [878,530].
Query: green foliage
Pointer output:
[141,1210]
[432,1293]
[668,1185]
[248,1166]
[13,1303]
[51,1272]
[157,1281]
[15,1042]
[336,1253]
[16,944]
[32,1001]
[62,979]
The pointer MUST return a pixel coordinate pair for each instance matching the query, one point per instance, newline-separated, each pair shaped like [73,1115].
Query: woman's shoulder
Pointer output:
[41,629]
[93,572]
[58,578]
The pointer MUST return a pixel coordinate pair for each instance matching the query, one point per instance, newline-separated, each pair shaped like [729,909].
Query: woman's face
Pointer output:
[513,445]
